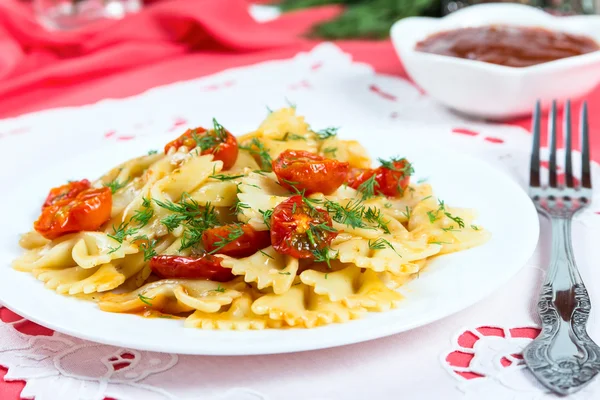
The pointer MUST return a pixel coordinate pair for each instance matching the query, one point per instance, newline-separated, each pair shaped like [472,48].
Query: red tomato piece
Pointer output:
[299,231]
[66,192]
[235,240]
[186,138]
[86,212]
[222,144]
[358,176]
[202,267]
[391,179]
[299,170]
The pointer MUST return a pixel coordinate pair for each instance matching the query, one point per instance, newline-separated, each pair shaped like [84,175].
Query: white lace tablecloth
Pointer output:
[471,355]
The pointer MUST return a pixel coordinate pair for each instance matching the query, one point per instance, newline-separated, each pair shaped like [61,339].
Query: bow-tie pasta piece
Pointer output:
[394,281]
[452,228]
[346,201]
[284,122]
[244,163]
[259,193]
[55,254]
[267,268]
[352,287]
[32,240]
[373,294]
[300,307]
[174,296]
[384,254]
[217,194]
[132,181]
[402,208]
[156,202]
[280,131]
[129,170]
[239,317]
[127,180]
[193,173]
[76,280]
[349,151]
[97,248]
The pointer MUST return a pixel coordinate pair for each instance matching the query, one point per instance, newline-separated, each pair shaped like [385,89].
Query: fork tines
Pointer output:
[584,140]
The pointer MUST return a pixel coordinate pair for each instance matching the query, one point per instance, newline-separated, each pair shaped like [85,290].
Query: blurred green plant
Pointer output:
[364,19]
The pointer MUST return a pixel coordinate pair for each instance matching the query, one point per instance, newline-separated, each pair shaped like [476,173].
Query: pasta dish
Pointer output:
[285,226]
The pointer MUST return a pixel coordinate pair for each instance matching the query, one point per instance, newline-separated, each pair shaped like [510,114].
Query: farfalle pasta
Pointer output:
[285,226]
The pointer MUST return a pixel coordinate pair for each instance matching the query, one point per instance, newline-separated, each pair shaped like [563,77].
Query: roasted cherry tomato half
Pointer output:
[235,240]
[86,212]
[66,192]
[202,267]
[357,176]
[222,145]
[299,170]
[391,179]
[299,230]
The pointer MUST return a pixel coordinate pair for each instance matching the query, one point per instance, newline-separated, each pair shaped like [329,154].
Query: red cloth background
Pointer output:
[168,41]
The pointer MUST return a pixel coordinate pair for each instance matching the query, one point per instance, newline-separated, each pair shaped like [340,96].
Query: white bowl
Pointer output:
[494,91]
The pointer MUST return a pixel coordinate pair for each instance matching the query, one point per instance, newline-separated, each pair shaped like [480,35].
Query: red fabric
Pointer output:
[168,41]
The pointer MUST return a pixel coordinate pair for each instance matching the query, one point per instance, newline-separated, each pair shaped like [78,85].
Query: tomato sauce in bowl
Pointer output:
[512,46]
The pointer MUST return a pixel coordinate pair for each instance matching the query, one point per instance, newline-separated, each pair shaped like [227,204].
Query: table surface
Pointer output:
[42,78]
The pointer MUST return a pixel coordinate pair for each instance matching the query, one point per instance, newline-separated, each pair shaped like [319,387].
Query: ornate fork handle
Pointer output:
[563,356]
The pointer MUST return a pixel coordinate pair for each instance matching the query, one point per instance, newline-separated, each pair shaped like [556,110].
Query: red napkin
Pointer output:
[41,69]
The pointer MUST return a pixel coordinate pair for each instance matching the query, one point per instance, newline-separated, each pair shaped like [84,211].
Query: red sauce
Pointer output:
[512,46]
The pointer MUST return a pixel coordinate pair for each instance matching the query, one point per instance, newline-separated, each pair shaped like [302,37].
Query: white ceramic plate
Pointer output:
[495,91]
[449,284]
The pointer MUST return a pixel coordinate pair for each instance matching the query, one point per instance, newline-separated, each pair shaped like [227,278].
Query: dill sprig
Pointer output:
[122,231]
[144,215]
[220,132]
[350,215]
[367,188]
[458,220]
[194,218]
[267,214]
[327,133]
[291,136]
[450,229]
[374,216]
[206,141]
[148,246]
[330,152]
[172,221]
[235,232]
[145,300]
[432,216]
[115,185]
[365,19]
[256,147]
[222,177]
[381,244]
[325,255]
[219,289]
[406,170]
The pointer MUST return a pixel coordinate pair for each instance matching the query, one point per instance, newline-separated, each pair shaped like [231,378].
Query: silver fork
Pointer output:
[563,357]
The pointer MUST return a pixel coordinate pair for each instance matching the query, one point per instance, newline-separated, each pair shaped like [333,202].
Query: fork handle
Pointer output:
[563,356]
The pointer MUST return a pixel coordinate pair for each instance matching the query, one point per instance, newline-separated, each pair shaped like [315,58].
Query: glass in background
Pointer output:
[74,14]
[564,7]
